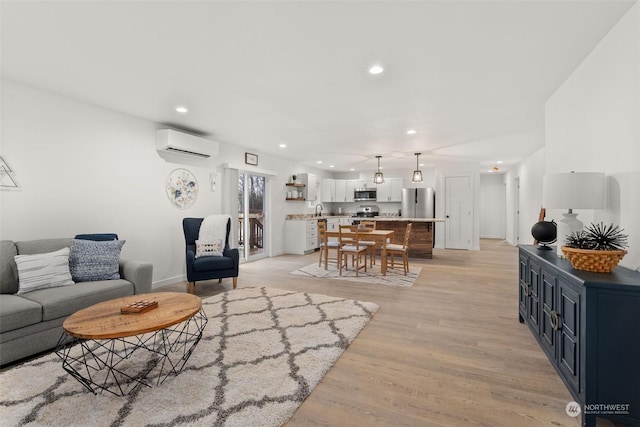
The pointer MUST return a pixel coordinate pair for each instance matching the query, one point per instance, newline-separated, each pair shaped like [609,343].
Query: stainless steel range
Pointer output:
[367,211]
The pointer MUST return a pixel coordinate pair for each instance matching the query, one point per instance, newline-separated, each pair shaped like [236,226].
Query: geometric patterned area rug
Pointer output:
[262,353]
[394,277]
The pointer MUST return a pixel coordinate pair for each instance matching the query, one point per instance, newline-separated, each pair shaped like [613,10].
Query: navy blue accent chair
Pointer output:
[97,237]
[208,267]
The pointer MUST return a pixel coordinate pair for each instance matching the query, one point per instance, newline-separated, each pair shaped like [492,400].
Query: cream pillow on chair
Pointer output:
[209,247]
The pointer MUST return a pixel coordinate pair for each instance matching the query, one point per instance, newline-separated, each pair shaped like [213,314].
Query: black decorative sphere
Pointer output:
[544,232]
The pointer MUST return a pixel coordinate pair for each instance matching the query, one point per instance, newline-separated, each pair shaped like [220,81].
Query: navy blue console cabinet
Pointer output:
[588,324]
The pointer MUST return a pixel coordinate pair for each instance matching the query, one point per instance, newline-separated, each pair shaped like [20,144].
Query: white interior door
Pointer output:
[458,204]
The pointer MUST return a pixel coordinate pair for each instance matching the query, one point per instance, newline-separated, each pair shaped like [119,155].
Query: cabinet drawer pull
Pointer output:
[527,290]
[554,319]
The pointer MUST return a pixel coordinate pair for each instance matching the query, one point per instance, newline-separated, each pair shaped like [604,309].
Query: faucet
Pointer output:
[318,214]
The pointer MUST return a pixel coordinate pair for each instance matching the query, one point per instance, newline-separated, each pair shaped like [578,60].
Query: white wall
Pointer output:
[84,169]
[529,174]
[492,206]
[593,125]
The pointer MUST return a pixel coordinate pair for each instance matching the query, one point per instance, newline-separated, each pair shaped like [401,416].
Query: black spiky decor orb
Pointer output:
[598,237]
[597,248]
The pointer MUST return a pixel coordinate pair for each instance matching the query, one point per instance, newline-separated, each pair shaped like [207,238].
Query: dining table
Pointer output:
[381,237]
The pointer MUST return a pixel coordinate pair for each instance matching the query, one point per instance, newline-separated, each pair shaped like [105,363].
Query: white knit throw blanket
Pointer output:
[214,227]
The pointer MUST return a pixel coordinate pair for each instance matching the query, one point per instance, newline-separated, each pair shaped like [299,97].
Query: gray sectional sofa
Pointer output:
[32,322]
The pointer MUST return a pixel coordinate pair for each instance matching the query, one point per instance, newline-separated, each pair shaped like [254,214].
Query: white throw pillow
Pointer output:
[40,271]
[209,247]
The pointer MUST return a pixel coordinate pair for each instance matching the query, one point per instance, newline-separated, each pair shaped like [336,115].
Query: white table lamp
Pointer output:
[581,190]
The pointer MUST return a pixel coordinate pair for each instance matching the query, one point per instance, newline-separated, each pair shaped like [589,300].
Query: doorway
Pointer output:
[458,212]
[252,229]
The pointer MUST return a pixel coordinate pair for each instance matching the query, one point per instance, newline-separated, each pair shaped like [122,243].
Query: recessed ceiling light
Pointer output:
[499,162]
[352,169]
[319,162]
[421,164]
[181,109]
[283,145]
[411,132]
[376,69]
[331,166]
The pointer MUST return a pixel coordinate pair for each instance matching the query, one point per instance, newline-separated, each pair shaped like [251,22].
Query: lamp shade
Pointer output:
[574,190]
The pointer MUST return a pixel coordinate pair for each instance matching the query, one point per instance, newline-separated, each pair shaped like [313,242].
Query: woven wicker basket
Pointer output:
[593,260]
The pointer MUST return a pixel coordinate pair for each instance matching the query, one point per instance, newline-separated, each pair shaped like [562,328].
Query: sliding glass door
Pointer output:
[252,226]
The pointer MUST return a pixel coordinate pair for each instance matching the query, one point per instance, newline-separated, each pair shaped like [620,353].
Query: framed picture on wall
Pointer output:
[251,159]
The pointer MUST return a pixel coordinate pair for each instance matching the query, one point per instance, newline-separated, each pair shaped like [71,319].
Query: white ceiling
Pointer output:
[471,77]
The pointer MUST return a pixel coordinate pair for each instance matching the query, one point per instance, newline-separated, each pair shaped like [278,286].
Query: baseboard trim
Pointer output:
[169,281]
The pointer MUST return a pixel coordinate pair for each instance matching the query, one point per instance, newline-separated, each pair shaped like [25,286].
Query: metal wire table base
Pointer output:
[118,365]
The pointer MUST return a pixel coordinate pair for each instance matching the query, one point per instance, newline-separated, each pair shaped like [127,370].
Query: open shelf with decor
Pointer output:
[296,195]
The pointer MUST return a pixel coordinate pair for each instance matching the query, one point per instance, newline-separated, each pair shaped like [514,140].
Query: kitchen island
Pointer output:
[421,240]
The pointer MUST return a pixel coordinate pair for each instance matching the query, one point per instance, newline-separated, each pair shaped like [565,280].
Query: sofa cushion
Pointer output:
[208,263]
[42,246]
[8,269]
[58,302]
[95,260]
[40,271]
[17,312]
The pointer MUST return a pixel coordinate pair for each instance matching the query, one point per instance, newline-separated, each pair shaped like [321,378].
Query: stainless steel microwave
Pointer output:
[364,194]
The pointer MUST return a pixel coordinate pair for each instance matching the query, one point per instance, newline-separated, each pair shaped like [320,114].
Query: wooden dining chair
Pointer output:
[401,249]
[371,245]
[326,245]
[349,245]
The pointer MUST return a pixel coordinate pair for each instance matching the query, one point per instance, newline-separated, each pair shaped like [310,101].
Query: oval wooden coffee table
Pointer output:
[107,355]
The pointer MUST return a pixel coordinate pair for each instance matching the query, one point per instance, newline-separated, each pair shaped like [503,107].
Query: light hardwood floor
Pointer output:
[448,351]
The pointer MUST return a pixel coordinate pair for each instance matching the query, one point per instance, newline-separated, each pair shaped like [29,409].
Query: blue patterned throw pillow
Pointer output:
[95,260]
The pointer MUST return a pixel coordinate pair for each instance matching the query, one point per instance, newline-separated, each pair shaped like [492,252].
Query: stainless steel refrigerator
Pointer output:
[418,203]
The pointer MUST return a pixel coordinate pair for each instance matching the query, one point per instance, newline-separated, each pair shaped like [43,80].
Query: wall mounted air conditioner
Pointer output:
[173,141]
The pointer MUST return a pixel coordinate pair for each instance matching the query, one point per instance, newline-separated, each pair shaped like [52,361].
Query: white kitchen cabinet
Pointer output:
[346,221]
[333,224]
[328,190]
[301,236]
[341,190]
[390,190]
[350,186]
[309,181]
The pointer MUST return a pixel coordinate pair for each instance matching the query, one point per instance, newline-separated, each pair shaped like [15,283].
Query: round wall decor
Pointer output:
[182,188]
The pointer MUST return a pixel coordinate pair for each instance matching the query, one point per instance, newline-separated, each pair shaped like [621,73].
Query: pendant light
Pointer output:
[417,174]
[378,178]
